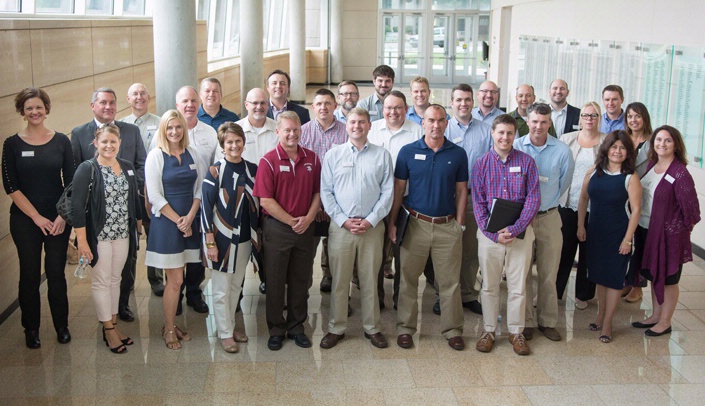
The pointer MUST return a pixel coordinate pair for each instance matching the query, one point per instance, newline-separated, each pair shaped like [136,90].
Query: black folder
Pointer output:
[402,223]
[504,213]
[320,228]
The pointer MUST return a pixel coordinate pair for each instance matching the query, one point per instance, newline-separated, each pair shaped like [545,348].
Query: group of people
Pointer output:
[380,182]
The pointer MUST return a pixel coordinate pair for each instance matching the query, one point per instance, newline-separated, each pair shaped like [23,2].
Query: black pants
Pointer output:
[29,240]
[155,276]
[195,275]
[289,270]
[584,289]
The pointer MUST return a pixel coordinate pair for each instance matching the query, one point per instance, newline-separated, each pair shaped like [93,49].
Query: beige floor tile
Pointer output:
[309,375]
[492,396]
[215,399]
[25,381]
[510,371]
[236,377]
[577,370]
[416,396]
[642,370]
[271,397]
[632,395]
[368,374]
[689,320]
[686,394]
[440,373]
[560,395]
[348,397]
[692,283]
[692,367]
[692,300]
[690,341]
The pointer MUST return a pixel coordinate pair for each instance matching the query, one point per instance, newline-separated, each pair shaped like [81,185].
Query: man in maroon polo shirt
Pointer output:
[288,184]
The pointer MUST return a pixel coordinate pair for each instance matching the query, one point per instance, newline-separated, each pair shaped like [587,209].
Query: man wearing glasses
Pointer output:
[348,96]
[487,95]
[565,117]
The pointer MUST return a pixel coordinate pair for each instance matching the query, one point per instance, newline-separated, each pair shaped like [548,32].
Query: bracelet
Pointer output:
[628,242]
[210,245]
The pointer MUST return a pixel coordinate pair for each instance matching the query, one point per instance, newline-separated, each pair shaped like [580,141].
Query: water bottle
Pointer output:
[498,329]
[81,268]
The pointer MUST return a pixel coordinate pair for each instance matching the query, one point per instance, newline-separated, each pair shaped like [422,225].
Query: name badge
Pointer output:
[669,178]
[27,154]
[576,127]
[193,167]
[130,172]
[152,128]
[543,179]
[347,165]
[515,169]
[420,157]
[457,139]
[284,168]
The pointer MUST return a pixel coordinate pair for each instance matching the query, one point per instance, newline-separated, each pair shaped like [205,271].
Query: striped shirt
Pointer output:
[516,179]
[320,140]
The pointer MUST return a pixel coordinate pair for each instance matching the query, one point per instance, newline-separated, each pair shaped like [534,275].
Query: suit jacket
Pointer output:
[131,148]
[301,111]
[572,119]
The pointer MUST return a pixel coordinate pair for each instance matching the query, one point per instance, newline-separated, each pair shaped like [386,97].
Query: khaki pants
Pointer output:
[549,242]
[471,262]
[444,243]
[344,248]
[515,259]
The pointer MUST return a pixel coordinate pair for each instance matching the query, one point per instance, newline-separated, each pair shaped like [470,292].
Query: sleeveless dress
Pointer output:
[606,228]
[167,248]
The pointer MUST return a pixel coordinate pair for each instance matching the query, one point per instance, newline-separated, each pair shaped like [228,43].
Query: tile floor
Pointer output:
[632,369]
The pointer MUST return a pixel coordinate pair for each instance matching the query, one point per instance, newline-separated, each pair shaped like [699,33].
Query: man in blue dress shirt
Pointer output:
[211,111]
[613,117]
[488,96]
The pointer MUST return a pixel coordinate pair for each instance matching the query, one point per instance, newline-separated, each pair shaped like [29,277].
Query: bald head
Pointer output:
[558,92]
[138,99]
[256,105]
[487,95]
[187,102]
[525,97]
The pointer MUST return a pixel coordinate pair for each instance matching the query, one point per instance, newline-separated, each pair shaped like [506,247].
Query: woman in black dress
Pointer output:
[37,163]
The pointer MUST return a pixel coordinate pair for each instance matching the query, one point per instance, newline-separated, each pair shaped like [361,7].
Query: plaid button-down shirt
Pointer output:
[320,140]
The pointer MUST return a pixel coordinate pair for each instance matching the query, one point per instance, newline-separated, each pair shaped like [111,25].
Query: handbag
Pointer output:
[63,206]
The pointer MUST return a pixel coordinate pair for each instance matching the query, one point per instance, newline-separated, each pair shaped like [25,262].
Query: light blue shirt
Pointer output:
[556,165]
[607,125]
[357,183]
[477,113]
[411,115]
[373,105]
[475,139]
[338,113]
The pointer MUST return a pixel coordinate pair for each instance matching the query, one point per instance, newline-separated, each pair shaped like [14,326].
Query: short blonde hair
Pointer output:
[289,115]
[162,142]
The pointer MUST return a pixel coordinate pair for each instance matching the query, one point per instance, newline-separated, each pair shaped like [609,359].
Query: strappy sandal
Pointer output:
[127,341]
[182,335]
[594,327]
[171,344]
[120,349]
[605,339]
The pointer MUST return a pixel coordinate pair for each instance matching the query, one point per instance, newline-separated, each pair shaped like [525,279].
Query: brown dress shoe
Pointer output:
[405,341]
[377,339]
[485,343]
[330,340]
[550,333]
[528,333]
[519,343]
[457,343]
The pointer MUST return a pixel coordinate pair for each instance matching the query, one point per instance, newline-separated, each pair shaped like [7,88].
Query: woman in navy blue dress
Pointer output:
[173,185]
[609,187]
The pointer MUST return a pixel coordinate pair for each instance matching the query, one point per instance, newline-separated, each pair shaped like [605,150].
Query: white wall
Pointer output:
[677,22]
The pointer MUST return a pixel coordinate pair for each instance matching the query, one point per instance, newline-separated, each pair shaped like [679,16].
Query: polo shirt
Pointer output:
[489,118]
[320,140]
[431,176]
[392,141]
[475,139]
[555,163]
[148,124]
[258,141]
[291,183]
[516,179]
[607,125]
[220,117]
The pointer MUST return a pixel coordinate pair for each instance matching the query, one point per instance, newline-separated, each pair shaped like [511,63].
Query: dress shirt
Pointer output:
[555,163]
[516,179]
[258,141]
[204,140]
[607,125]
[275,112]
[558,118]
[477,113]
[475,138]
[148,124]
[411,115]
[372,104]
[338,113]
[220,117]
[431,176]
[357,183]
[392,141]
[320,140]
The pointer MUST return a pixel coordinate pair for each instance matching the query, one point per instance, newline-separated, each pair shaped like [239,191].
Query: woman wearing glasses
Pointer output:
[584,144]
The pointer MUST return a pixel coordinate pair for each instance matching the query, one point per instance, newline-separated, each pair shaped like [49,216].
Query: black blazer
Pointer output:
[131,148]
[301,111]
[572,119]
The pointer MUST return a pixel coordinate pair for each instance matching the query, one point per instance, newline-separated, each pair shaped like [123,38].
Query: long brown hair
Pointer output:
[678,144]
[641,110]
[629,164]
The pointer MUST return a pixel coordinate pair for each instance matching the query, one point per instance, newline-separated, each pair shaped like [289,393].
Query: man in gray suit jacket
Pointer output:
[104,106]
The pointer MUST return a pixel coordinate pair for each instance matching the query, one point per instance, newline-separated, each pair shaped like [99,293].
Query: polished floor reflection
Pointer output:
[577,370]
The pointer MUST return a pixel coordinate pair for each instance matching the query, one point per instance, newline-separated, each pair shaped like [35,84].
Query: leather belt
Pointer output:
[433,220]
[547,211]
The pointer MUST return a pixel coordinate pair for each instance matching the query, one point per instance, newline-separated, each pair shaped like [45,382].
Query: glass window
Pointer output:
[99,7]
[453,4]
[54,6]
[401,4]
[234,44]
[133,7]
[219,29]
[276,24]
[203,10]
[9,6]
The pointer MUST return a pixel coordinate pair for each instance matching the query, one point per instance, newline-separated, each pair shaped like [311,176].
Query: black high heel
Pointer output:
[120,349]
[128,340]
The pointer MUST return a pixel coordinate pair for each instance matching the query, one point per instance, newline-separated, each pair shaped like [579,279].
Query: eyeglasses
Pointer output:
[142,94]
[492,92]
[257,103]
[589,116]
[395,108]
[349,94]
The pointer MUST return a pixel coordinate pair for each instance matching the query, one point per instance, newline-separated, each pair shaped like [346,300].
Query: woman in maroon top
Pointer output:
[673,213]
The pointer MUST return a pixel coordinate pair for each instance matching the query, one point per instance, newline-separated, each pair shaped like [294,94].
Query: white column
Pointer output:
[251,48]
[175,52]
[336,41]
[297,50]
